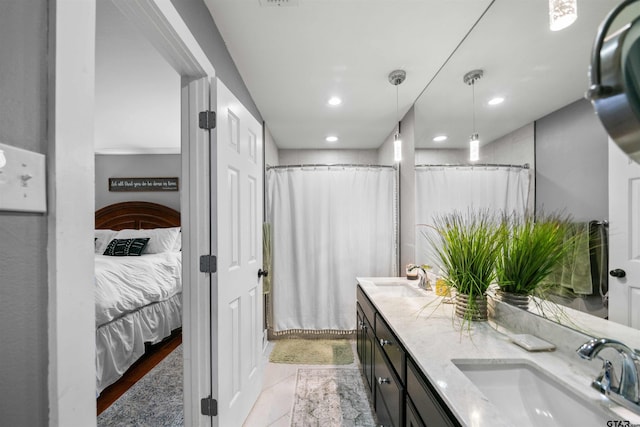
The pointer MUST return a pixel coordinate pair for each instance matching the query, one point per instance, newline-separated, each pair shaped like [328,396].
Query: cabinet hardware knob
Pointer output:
[384,342]
[262,273]
[383,380]
[618,272]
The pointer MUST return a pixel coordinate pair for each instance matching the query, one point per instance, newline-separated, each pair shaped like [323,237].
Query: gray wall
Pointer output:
[198,18]
[23,237]
[135,166]
[571,163]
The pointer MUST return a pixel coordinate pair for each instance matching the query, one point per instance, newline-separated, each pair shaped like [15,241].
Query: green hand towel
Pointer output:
[573,274]
[581,269]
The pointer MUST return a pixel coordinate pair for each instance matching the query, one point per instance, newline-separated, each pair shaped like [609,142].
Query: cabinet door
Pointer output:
[367,354]
[359,333]
[412,417]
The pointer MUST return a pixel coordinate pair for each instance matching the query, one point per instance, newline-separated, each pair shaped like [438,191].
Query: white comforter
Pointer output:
[124,284]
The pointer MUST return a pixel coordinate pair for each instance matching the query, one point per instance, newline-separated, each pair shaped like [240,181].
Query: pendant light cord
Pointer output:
[397,110]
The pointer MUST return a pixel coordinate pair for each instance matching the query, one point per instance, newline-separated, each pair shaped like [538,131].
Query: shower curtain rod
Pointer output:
[489,165]
[340,165]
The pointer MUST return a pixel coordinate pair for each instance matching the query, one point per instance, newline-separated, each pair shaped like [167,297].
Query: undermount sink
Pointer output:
[395,287]
[529,396]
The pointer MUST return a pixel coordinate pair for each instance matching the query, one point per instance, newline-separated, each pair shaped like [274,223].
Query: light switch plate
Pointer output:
[23,184]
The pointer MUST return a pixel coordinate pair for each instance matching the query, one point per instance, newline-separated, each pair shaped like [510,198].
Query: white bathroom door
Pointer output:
[624,238]
[237,300]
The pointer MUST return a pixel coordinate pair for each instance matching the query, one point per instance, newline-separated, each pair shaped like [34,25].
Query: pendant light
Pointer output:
[396,77]
[562,13]
[474,143]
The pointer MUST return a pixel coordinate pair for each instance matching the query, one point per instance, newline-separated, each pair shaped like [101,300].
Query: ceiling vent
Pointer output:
[278,3]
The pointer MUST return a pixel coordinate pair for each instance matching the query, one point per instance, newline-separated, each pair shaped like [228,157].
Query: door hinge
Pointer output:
[207,120]
[208,264]
[209,406]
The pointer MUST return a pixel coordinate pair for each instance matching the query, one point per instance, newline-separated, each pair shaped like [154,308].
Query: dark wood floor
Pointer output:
[151,358]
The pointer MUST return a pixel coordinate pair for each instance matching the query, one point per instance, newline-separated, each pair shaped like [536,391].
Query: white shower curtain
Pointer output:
[329,225]
[444,189]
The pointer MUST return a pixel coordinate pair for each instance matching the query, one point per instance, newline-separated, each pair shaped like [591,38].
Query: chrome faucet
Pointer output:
[423,281]
[622,389]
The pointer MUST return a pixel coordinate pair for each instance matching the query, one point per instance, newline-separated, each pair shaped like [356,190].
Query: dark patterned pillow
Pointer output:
[126,247]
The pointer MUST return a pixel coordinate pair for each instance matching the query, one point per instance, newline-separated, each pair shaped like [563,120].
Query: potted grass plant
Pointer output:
[530,251]
[467,246]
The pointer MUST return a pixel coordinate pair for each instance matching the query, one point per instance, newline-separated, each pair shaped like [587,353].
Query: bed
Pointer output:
[138,280]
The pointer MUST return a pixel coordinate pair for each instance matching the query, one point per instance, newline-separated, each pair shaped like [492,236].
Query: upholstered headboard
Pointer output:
[136,215]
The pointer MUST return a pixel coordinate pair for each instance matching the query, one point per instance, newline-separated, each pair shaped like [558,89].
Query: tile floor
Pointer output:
[275,403]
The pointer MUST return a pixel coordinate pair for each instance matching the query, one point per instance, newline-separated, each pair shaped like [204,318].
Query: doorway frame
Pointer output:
[71,172]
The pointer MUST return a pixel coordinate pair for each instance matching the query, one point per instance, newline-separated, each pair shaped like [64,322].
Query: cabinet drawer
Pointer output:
[412,419]
[389,397]
[392,348]
[427,405]
[367,307]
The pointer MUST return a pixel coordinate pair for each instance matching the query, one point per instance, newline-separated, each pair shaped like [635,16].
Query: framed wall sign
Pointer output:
[143,184]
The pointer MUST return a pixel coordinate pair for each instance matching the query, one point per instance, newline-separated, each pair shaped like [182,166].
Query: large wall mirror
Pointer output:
[543,121]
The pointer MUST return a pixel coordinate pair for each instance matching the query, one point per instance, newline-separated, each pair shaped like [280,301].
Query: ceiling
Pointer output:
[294,57]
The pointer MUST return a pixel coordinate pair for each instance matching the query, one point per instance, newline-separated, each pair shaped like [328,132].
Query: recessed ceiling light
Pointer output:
[440,138]
[334,100]
[495,101]
[331,139]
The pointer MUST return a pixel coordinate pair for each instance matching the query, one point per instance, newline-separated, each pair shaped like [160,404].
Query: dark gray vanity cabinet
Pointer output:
[384,374]
[401,394]
[411,416]
[365,348]
[389,395]
[429,410]
[390,346]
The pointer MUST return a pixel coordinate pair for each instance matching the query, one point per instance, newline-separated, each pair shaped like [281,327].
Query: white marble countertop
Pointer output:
[433,337]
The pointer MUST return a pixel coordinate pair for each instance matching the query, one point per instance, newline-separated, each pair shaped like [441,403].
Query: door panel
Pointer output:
[624,237]
[237,295]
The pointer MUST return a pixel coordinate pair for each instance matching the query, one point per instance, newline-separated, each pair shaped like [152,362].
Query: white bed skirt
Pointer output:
[121,342]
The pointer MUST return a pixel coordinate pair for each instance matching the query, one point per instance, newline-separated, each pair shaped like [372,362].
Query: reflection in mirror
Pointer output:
[543,121]
[615,81]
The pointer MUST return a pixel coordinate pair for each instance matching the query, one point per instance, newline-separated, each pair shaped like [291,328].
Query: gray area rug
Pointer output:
[154,401]
[331,397]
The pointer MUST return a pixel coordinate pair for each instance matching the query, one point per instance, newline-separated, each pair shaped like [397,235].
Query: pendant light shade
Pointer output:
[474,141]
[474,148]
[397,148]
[562,13]
[396,78]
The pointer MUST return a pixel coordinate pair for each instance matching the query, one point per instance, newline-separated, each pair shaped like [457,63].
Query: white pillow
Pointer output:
[160,239]
[102,239]
[178,246]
